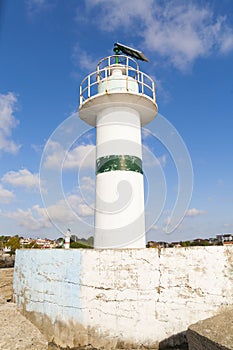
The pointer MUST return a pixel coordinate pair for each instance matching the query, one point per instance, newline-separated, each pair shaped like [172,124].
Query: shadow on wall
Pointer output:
[175,342]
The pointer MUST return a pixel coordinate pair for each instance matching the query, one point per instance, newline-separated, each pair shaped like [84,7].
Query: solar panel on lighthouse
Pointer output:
[120,48]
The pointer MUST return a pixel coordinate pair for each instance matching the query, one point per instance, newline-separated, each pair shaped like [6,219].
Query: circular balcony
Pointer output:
[114,74]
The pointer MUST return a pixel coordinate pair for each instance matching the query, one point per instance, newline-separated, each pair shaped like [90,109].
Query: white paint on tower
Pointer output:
[118,99]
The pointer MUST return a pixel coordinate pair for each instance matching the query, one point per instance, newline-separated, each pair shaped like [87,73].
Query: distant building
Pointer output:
[212,240]
[25,241]
[228,243]
[152,244]
[225,237]
[176,244]
[7,249]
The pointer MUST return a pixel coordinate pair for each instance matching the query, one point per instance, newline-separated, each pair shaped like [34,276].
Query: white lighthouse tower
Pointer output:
[118,99]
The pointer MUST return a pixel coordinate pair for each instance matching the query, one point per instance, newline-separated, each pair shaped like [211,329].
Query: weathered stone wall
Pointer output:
[215,333]
[122,298]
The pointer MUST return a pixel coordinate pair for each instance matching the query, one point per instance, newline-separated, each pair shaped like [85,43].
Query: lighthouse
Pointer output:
[118,99]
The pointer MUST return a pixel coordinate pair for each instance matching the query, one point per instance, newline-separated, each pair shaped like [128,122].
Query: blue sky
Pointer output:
[48,46]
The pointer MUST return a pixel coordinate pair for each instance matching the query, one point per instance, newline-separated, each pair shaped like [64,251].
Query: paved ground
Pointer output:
[16,332]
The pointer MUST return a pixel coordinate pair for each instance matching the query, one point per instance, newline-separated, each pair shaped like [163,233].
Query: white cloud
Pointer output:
[36,6]
[7,123]
[120,11]
[194,212]
[80,156]
[167,220]
[146,133]
[60,212]
[186,32]
[82,59]
[189,213]
[227,225]
[79,206]
[150,160]
[155,228]
[163,160]
[54,155]
[87,184]
[177,30]
[33,219]
[227,42]
[37,218]
[37,148]
[37,2]
[85,210]
[21,178]
[65,211]
[6,196]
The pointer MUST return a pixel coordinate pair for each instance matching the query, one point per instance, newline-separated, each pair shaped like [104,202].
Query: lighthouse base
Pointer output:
[121,299]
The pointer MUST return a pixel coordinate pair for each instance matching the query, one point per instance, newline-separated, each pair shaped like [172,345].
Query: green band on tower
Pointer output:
[118,162]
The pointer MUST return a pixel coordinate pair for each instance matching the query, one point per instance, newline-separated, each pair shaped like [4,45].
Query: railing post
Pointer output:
[142,81]
[98,74]
[88,86]
[109,65]
[127,74]
[80,95]
[153,87]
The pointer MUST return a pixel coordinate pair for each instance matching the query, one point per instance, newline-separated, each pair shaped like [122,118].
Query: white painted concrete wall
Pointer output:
[133,296]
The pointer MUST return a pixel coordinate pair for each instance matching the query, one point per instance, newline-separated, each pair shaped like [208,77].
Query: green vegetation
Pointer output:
[60,243]
[3,240]
[88,242]
[185,244]
[201,243]
[196,242]
[13,243]
[78,245]
[82,242]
